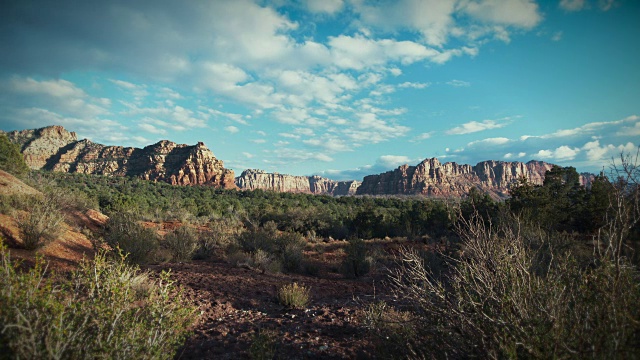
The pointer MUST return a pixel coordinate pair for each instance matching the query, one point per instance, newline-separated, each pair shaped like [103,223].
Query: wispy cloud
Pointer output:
[476,126]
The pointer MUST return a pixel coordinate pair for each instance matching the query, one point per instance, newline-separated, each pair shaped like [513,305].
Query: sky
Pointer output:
[337,88]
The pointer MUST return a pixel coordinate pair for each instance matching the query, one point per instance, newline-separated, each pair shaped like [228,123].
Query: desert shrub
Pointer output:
[181,242]
[294,296]
[356,262]
[220,234]
[11,160]
[285,247]
[511,294]
[265,262]
[124,232]
[106,309]
[41,224]
[395,334]
[263,345]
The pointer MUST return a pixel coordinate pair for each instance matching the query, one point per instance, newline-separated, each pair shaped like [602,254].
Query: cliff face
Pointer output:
[434,179]
[39,145]
[257,179]
[54,148]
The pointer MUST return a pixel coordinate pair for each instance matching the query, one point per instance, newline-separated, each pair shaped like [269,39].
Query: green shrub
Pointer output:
[394,331]
[356,262]
[263,345]
[285,247]
[181,242]
[124,232]
[11,160]
[106,309]
[294,296]
[41,224]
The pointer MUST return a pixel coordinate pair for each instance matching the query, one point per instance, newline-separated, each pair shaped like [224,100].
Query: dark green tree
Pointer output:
[11,159]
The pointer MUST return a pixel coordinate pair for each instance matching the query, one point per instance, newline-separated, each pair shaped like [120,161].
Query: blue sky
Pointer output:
[340,88]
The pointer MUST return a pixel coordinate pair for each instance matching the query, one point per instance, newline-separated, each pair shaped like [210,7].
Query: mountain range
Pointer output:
[56,149]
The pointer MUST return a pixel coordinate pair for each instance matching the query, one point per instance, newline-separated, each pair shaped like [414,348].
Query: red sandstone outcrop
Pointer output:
[257,179]
[434,179]
[54,148]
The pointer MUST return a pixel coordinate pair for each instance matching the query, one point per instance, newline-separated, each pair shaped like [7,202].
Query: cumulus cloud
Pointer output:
[325,6]
[413,85]
[423,136]
[391,161]
[475,126]
[561,153]
[572,5]
[518,13]
[231,129]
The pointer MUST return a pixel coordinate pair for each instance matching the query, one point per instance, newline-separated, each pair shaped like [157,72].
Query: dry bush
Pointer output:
[105,310]
[512,294]
[181,243]
[41,224]
[357,261]
[125,233]
[263,345]
[294,296]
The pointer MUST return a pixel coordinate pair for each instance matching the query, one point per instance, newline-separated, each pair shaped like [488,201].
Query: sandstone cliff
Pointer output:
[434,179]
[257,179]
[54,148]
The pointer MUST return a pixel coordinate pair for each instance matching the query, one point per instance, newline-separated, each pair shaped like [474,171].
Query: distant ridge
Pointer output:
[253,179]
[434,179]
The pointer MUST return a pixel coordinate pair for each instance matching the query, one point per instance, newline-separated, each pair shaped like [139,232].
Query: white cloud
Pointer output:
[152,129]
[475,126]
[413,85]
[232,129]
[423,136]
[588,129]
[518,13]
[258,141]
[55,88]
[459,83]
[557,36]
[325,6]
[392,161]
[247,155]
[561,153]
[572,5]
[431,18]
[489,142]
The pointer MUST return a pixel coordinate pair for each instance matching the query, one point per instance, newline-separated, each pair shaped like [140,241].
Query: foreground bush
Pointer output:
[106,310]
[124,232]
[511,294]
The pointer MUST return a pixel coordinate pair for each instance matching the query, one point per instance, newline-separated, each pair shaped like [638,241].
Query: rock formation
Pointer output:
[54,148]
[434,179]
[257,179]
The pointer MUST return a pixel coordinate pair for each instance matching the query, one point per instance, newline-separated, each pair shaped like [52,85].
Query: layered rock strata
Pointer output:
[258,179]
[54,148]
[434,179]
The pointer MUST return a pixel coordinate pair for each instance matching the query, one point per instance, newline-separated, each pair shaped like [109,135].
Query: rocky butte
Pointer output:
[56,149]
[434,179]
[252,179]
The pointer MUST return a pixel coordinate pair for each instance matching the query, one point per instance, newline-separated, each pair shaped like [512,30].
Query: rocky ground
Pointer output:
[235,303]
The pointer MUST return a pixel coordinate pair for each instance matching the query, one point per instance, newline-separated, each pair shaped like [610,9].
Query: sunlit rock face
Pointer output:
[54,148]
[449,180]
[253,179]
